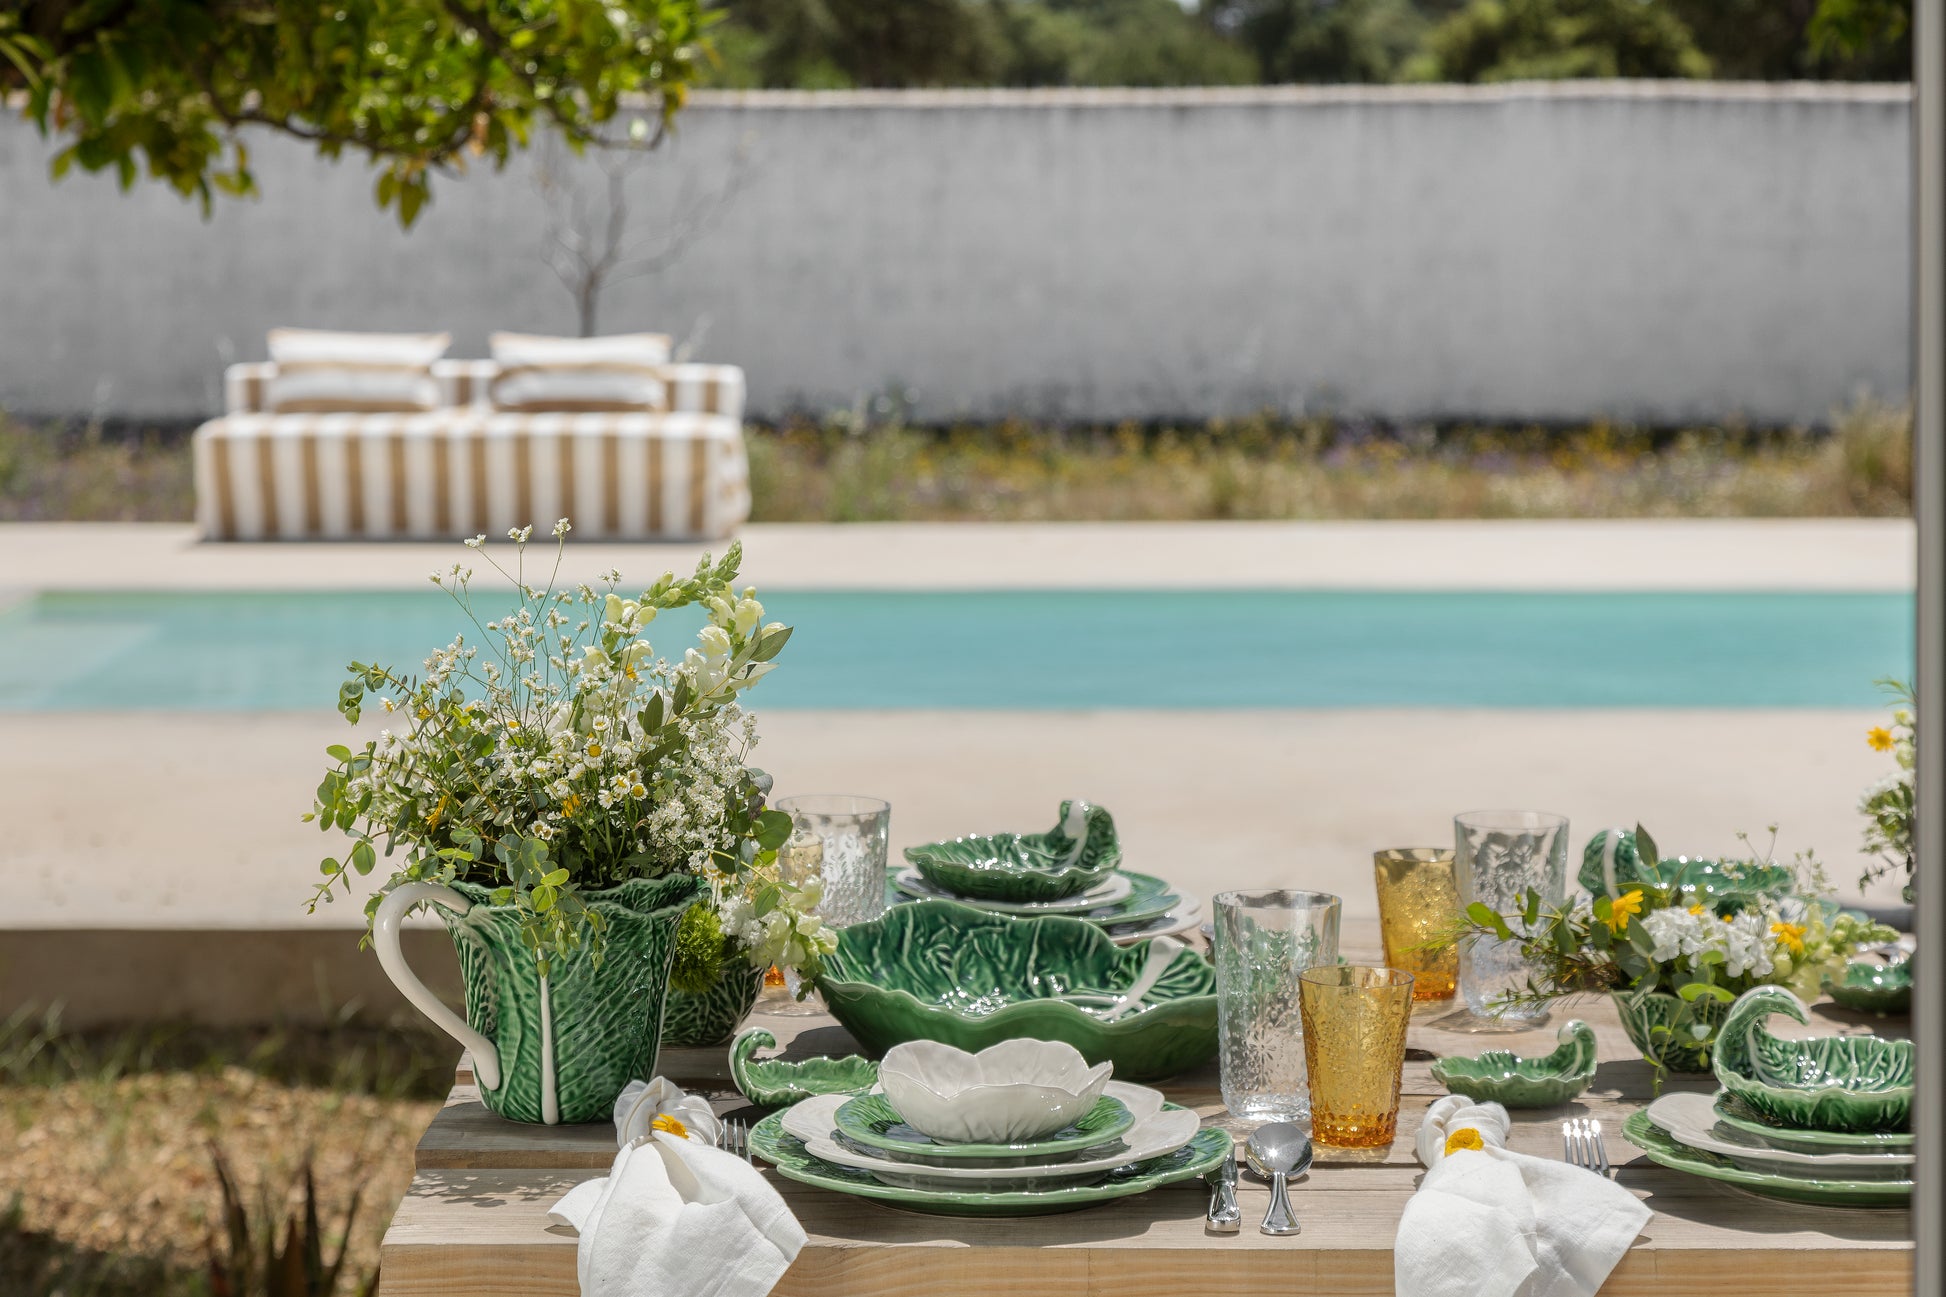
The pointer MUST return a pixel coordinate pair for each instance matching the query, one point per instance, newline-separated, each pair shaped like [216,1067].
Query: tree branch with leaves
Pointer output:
[419,87]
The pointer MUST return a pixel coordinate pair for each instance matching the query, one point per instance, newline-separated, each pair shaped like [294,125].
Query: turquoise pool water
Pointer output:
[1096,649]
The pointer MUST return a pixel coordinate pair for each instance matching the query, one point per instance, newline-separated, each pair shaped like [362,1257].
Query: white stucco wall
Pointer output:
[1644,250]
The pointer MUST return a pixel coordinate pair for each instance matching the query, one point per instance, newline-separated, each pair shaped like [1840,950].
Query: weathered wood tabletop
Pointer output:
[475,1219]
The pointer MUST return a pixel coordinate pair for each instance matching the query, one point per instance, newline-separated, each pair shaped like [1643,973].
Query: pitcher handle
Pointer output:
[385,939]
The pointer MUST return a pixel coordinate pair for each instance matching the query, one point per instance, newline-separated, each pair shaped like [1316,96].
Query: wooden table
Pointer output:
[475,1219]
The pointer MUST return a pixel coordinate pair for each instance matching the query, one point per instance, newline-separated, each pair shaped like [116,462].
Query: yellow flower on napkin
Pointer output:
[1464,1137]
[670,1124]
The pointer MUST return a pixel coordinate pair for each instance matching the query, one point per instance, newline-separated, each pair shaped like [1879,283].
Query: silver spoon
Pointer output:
[1278,1151]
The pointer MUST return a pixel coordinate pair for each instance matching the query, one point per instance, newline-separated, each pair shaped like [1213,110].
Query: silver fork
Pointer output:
[1581,1137]
[734,1138]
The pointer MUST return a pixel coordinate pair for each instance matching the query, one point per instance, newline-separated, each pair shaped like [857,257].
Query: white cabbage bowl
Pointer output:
[1009,1093]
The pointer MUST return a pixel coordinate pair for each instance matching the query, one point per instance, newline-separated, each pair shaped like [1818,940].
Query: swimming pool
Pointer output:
[1036,650]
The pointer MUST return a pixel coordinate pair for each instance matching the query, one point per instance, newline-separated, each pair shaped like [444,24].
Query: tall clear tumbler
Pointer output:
[1496,856]
[853,830]
[1263,941]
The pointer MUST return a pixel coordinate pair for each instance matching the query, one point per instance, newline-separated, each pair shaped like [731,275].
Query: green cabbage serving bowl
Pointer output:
[1502,1077]
[1022,868]
[937,970]
[1844,1083]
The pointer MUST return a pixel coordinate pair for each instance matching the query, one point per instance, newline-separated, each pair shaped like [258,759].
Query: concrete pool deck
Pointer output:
[155,862]
[1855,554]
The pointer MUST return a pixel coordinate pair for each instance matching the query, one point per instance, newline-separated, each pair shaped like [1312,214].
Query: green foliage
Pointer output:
[1326,40]
[1874,37]
[836,44]
[1520,40]
[702,951]
[1888,805]
[1111,43]
[250,1261]
[416,86]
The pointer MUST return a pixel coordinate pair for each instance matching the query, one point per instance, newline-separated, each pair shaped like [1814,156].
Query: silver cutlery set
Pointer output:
[1280,1151]
[1276,1153]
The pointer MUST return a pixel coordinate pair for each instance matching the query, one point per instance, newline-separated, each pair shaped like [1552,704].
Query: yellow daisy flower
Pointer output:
[1791,935]
[1629,902]
[1880,738]
[670,1124]
[1464,1137]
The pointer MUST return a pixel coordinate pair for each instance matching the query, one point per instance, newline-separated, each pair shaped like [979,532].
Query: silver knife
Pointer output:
[1224,1216]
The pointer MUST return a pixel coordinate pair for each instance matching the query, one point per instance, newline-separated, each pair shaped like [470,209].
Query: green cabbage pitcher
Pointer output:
[554,1049]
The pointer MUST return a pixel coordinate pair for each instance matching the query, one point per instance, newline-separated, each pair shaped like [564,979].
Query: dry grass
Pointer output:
[1269,469]
[850,470]
[106,1184]
[53,472]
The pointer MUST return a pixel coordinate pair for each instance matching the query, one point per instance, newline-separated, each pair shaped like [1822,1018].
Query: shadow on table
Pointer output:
[830,1041]
[1892,1026]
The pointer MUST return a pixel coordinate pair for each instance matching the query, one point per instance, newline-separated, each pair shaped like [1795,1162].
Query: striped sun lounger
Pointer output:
[467,469]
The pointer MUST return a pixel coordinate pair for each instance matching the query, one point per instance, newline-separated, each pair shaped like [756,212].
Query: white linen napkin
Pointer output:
[675,1216]
[641,1102]
[1491,1222]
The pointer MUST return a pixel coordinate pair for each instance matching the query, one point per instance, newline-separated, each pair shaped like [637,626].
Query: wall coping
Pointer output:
[1315,95]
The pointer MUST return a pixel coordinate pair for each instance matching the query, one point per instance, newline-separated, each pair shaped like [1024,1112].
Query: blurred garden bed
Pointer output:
[853,468]
[106,1181]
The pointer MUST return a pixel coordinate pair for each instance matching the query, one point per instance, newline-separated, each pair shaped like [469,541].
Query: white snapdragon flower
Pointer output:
[749,613]
[714,641]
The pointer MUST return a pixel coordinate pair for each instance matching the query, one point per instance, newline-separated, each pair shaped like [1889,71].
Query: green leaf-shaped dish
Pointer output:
[1847,1083]
[1501,1077]
[774,1083]
[1023,867]
[871,1120]
[1737,1115]
[1871,987]
[936,970]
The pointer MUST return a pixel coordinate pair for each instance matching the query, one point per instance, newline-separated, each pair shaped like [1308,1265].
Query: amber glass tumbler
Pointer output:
[1417,902]
[1354,1050]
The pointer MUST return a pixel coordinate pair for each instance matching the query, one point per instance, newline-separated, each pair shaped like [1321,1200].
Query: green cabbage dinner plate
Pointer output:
[1665,1149]
[871,1120]
[1148,898]
[770,1141]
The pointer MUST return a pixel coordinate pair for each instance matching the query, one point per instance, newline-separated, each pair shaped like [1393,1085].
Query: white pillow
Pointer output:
[321,371]
[619,372]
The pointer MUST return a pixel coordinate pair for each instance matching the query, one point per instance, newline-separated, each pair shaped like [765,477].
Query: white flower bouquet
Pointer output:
[559,754]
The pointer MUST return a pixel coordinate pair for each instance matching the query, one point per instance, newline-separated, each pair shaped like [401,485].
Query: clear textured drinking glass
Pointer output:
[1263,941]
[1496,856]
[1355,1022]
[853,830]
[1417,901]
